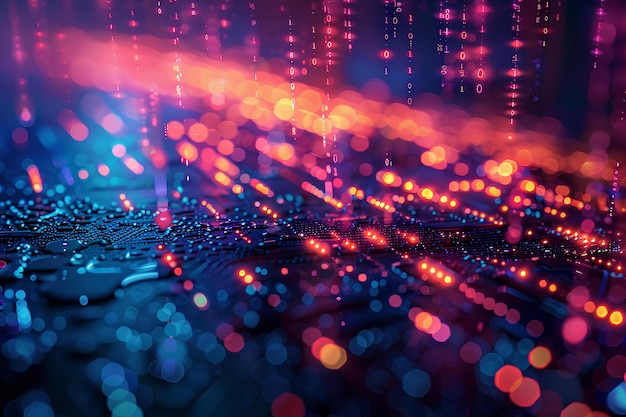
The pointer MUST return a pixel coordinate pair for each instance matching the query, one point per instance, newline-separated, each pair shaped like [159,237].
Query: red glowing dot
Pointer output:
[288,405]
[575,330]
[273,300]
[310,335]
[576,409]
[527,393]
[188,285]
[163,220]
[471,352]
[395,301]
[508,378]
[3,264]
[512,316]
[178,271]
[234,342]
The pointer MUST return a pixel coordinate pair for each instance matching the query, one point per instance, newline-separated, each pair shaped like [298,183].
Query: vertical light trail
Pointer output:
[513,86]
[35,178]
[116,67]
[24,109]
[409,83]
[480,72]
[600,19]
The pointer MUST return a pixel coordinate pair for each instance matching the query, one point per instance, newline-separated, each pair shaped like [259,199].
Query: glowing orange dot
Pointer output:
[589,307]
[602,311]
[389,178]
[427,194]
[333,356]
[543,283]
[616,318]
[539,357]
[175,130]
[188,151]
[318,344]
[197,132]
[428,323]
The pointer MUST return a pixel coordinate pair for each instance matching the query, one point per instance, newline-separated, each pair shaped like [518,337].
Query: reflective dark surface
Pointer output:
[330,208]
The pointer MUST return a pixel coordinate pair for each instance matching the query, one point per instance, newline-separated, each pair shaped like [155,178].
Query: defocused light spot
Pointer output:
[616,400]
[118,150]
[35,178]
[574,330]
[601,311]
[333,356]
[471,352]
[198,132]
[288,405]
[616,318]
[576,409]
[112,123]
[416,383]
[200,301]
[539,357]
[175,130]
[527,393]
[234,342]
[508,378]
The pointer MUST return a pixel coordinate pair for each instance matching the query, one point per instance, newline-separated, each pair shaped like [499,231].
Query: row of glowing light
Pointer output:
[392,179]
[504,169]
[601,311]
[296,102]
[426,193]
